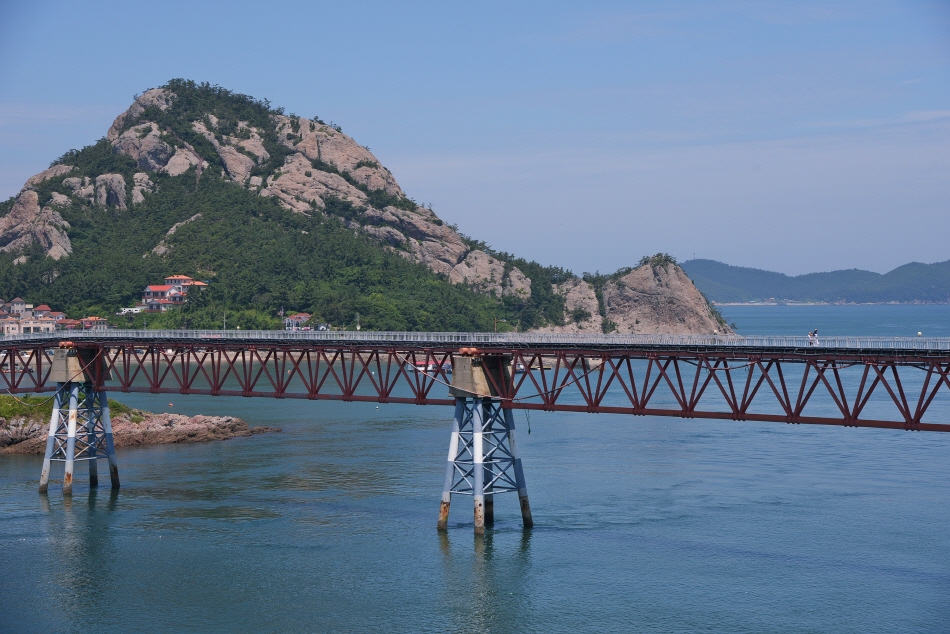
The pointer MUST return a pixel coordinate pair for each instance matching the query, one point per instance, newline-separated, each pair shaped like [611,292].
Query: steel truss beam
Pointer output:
[804,386]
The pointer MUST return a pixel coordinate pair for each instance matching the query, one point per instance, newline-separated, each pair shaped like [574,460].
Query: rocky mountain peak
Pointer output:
[310,167]
[656,297]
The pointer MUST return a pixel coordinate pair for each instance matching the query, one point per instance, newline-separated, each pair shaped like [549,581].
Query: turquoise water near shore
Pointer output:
[643,524]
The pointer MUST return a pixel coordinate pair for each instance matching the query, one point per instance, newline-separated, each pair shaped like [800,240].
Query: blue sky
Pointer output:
[795,137]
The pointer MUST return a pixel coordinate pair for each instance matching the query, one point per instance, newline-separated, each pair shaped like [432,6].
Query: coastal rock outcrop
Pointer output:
[56,170]
[28,224]
[162,247]
[581,309]
[656,297]
[110,191]
[659,299]
[28,435]
[83,188]
[157,97]
[144,144]
[143,185]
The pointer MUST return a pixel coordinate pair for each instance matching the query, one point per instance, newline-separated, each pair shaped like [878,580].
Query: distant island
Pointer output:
[907,284]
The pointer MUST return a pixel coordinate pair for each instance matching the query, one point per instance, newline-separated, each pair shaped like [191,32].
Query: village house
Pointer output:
[18,318]
[18,306]
[94,323]
[158,298]
[296,321]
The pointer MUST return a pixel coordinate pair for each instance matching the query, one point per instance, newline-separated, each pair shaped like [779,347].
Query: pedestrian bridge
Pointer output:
[849,381]
[891,383]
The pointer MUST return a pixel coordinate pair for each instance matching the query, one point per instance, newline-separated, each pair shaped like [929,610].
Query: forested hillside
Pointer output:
[914,282]
[257,256]
[277,211]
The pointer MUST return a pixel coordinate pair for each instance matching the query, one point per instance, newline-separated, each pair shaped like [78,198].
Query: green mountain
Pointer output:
[277,211]
[914,282]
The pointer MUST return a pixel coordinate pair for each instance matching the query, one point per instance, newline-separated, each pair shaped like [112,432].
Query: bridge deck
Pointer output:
[898,383]
[761,344]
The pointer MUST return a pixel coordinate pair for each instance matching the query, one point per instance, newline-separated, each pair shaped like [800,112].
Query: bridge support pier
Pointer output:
[80,427]
[483,461]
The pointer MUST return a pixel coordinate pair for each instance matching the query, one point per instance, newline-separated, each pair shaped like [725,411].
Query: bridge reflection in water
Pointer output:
[890,383]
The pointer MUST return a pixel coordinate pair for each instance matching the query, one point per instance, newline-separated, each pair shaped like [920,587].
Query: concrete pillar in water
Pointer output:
[488,461]
[106,419]
[519,471]
[90,428]
[450,465]
[478,468]
[71,438]
[51,438]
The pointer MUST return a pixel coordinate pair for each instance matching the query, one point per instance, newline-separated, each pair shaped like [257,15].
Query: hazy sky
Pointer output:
[796,137]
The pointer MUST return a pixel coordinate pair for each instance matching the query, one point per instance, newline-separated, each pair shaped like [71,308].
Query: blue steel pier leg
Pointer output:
[519,471]
[51,439]
[71,438]
[107,432]
[91,445]
[478,470]
[488,477]
[450,466]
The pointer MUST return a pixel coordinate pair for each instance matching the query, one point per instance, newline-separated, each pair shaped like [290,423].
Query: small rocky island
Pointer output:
[24,423]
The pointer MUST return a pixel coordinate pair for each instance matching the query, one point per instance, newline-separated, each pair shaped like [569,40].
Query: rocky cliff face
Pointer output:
[322,164]
[29,223]
[322,168]
[650,299]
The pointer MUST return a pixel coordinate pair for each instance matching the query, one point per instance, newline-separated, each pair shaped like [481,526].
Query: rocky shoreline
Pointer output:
[132,429]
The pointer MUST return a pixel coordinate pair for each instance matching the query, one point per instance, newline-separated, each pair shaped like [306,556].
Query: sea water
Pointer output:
[641,524]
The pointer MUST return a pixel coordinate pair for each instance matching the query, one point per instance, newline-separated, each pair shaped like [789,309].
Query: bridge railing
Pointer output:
[497,339]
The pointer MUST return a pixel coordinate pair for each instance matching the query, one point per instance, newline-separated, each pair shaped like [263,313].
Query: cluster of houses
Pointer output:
[302,321]
[19,318]
[157,298]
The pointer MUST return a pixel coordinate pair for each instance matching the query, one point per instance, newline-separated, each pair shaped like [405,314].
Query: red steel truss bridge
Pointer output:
[895,383]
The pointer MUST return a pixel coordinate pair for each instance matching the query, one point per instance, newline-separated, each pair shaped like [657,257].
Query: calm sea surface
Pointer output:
[642,524]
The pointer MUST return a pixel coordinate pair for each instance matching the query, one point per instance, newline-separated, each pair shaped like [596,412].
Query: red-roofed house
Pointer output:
[161,297]
[157,291]
[296,321]
[94,323]
[178,282]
